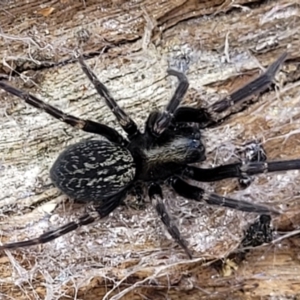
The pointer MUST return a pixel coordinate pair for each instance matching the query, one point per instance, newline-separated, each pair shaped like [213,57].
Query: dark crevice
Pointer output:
[170,22]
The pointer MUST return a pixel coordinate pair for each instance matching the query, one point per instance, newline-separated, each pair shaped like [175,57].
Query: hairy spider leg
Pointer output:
[85,125]
[164,119]
[156,196]
[221,109]
[124,120]
[256,86]
[99,212]
[240,170]
[198,194]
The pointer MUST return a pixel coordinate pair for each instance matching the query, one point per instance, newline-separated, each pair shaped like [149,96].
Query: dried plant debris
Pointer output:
[258,233]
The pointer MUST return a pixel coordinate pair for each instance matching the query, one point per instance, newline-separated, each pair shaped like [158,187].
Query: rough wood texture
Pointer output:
[130,45]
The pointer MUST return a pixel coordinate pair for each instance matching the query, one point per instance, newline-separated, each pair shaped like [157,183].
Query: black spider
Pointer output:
[105,171]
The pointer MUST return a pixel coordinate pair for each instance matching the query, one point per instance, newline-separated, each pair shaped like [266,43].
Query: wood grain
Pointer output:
[130,45]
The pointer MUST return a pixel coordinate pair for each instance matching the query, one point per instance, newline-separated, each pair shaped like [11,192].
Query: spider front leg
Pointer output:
[54,234]
[219,110]
[85,125]
[155,194]
[195,193]
[125,121]
[99,212]
[158,122]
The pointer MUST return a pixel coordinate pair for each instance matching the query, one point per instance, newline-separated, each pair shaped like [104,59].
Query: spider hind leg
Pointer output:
[99,212]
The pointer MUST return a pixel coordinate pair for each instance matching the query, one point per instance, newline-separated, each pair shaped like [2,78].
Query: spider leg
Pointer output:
[198,194]
[190,114]
[99,212]
[252,151]
[256,86]
[155,194]
[125,121]
[163,120]
[85,125]
[221,109]
[240,170]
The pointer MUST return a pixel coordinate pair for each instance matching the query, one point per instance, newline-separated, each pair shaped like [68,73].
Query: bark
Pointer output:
[130,45]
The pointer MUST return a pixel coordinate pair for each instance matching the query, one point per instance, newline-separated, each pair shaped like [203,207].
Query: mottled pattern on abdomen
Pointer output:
[93,170]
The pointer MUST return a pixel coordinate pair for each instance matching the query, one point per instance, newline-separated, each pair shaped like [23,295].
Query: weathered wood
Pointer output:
[131,45]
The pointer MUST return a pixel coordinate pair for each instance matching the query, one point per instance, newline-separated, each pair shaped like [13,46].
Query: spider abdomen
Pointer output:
[93,170]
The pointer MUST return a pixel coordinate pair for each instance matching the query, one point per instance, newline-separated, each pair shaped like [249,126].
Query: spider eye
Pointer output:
[195,144]
[197,136]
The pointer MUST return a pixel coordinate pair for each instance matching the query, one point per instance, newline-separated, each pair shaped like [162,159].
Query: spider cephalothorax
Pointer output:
[105,171]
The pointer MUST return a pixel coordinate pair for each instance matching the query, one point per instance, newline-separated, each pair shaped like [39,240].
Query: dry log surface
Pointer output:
[130,44]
